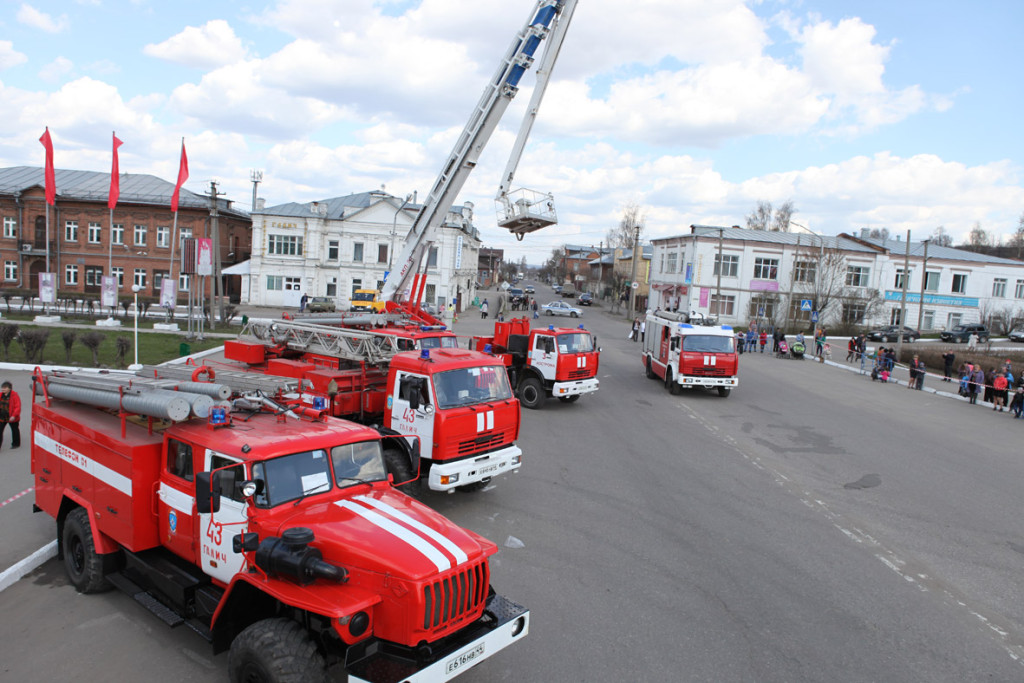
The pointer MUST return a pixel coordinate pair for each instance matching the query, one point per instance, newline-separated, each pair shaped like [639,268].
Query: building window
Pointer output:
[356,285]
[672,262]
[1018,292]
[163,236]
[118,272]
[10,270]
[158,279]
[854,311]
[184,282]
[726,306]
[931,281]
[431,294]
[766,268]
[959,283]
[953,319]
[10,227]
[275,283]
[382,253]
[117,233]
[284,245]
[661,263]
[894,316]
[928,320]
[70,231]
[140,235]
[857,276]
[796,313]
[140,277]
[332,250]
[999,287]
[95,235]
[292,284]
[71,274]
[898,283]
[432,258]
[805,271]
[730,265]
[332,287]
[93,276]
[357,252]
[761,308]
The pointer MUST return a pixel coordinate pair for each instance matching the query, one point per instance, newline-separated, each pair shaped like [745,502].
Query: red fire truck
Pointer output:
[552,361]
[459,403]
[686,355]
[274,533]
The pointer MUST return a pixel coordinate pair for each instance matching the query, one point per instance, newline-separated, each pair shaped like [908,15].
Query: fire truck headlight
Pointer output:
[449,479]
[248,489]
[518,626]
[358,624]
[516,459]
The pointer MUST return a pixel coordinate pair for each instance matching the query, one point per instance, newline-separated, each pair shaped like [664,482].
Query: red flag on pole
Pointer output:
[115,182]
[182,177]
[51,182]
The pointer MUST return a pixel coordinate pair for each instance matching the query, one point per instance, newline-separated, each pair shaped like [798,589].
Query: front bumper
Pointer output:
[577,388]
[504,622]
[688,381]
[475,468]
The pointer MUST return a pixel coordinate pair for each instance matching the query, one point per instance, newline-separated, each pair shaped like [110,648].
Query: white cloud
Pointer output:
[56,70]
[30,16]
[9,56]
[209,46]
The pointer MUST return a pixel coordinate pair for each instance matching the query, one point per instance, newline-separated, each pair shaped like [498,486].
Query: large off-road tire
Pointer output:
[670,383]
[531,393]
[724,391]
[275,651]
[82,563]
[475,486]
[569,399]
[649,370]
[397,464]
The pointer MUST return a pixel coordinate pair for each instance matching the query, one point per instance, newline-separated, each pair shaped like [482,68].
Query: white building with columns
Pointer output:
[333,247]
[783,278]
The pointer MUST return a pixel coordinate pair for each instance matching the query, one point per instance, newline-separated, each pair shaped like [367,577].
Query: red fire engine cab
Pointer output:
[274,533]
[686,355]
[552,361]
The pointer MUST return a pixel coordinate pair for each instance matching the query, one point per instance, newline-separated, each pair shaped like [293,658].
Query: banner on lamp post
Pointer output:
[108,291]
[48,288]
[204,256]
[168,293]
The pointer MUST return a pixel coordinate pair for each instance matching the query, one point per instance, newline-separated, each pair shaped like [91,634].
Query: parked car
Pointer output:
[891,333]
[1017,334]
[516,296]
[585,299]
[557,288]
[960,333]
[320,304]
[561,308]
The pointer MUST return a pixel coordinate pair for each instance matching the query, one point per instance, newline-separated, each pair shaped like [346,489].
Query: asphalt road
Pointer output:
[814,526]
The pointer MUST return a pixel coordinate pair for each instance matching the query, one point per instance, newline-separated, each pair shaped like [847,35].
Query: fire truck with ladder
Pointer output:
[457,402]
[687,354]
[273,532]
[553,361]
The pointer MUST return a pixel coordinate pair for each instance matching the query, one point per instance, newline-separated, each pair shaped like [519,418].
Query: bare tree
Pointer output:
[68,337]
[941,238]
[821,276]
[978,239]
[623,234]
[92,341]
[761,218]
[783,215]
[1017,240]
[32,343]
[8,333]
[123,345]
[879,233]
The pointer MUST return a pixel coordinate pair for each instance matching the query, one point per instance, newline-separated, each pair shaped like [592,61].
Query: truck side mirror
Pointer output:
[207,493]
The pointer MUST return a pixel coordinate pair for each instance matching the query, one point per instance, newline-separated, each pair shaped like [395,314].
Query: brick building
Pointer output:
[82,246]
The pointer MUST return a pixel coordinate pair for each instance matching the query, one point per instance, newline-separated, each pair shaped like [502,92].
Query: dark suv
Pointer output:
[961,333]
[892,333]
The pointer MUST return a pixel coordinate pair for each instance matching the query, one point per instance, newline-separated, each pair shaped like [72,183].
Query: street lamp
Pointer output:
[135,366]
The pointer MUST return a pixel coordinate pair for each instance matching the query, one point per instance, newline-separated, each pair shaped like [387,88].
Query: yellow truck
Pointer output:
[366,300]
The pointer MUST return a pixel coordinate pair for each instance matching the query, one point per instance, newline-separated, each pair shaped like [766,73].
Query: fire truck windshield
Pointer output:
[439,342]
[577,342]
[469,386]
[295,476]
[706,343]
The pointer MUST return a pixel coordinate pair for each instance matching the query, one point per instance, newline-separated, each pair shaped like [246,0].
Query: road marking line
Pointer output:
[12,574]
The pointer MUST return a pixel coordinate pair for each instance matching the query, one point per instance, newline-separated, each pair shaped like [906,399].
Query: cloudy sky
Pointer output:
[903,115]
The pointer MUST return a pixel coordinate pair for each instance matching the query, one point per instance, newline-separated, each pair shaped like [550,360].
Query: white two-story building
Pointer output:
[333,247]
[796,279]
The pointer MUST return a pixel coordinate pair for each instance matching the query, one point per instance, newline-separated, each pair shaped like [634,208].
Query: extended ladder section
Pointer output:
[337,342]
[463,158]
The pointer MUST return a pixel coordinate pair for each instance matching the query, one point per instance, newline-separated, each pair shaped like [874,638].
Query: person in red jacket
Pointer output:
[10,413]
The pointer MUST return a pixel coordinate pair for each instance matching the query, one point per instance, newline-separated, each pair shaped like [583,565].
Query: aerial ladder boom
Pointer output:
[496,97]
[346,343]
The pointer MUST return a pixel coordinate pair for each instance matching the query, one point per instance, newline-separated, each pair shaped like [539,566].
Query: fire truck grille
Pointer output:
[710,372]
[482,443]
[455,596]
[584,373]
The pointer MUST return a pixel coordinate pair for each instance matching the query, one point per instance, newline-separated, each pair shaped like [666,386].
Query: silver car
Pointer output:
[561,308]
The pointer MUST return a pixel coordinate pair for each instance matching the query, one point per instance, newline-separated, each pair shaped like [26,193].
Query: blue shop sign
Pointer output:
[935,299]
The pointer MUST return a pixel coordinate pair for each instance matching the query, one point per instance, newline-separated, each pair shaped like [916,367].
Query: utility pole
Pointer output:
[216,300]
[903,302]
[718,288]
[924,278]
[792,281]
[632,275]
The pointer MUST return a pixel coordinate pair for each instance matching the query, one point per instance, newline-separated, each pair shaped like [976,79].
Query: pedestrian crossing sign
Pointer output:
[805,304]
